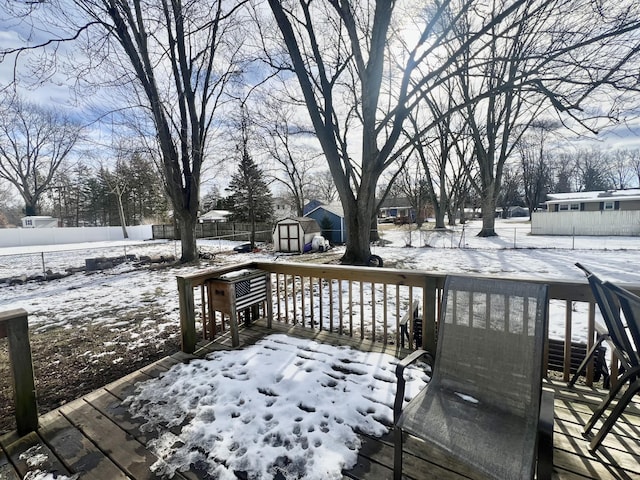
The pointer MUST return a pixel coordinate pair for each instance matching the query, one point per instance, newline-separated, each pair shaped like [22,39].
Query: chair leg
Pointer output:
[397,457]
[584,363]
[608,399]
[545,436]
[614,415]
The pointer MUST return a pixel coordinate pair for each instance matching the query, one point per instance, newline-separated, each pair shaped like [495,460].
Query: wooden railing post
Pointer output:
[14,325]
[187,315]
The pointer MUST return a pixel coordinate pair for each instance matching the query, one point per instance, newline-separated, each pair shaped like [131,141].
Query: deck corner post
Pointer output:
[16,327]
[187,315]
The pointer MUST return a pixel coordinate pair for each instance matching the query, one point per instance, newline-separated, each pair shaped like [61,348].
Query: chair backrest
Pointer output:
[630,304]
[490,342]
[611,316]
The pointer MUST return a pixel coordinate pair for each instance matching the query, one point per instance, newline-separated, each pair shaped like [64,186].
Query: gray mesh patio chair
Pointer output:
[483,407]
[630,305]
[612,331]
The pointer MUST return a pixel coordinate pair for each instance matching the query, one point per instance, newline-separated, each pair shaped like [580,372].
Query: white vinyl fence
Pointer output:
[17,237]
[619,223]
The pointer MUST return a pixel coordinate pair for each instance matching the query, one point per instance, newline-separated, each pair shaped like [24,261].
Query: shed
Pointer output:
[39,221]
[331,221]
[292,234]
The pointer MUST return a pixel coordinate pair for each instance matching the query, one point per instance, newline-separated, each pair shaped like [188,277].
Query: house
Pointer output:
[397,209]
[282,208]
[214,216]
[331,221]
[611,212]
[312,205]
[292,234]
[39,221]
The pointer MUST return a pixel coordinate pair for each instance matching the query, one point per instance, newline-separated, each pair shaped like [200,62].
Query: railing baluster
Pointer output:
[398,314]
[361,309]
[373,311]
[278,295]
[286,297]
[350,308]
[591,322]
[295,299]
[566,374]
[304,306]
[340,313]
[385,315]
[330,305]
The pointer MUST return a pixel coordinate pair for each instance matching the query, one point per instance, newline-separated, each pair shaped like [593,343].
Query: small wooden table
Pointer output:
[242,290]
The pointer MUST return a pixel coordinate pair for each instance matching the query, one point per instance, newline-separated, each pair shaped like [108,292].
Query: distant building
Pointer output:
[282,208]
[214,216]
[331,221]
[397,209]
[612,212]
[39,221]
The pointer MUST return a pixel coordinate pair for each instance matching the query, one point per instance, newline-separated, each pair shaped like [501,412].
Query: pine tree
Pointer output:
[250,194]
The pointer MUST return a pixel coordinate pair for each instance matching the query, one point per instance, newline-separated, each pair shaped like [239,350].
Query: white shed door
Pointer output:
[288,237]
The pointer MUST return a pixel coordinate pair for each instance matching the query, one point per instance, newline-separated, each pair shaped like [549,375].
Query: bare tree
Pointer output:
[359,78]
[634,158]
[621,171]
[323,188]
[294,160]
[521,68]
[177,60]
[535,163]
[117,186]
[34,143]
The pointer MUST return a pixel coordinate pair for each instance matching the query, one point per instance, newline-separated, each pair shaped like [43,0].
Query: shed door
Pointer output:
[288,237]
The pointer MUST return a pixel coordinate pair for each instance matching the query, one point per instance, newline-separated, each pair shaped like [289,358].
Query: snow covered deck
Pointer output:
[96,437]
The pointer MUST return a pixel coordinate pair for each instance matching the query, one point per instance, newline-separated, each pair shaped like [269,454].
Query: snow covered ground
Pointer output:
[107,297]
[203,391]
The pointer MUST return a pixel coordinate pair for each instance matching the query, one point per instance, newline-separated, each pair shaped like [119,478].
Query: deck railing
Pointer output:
[369,303]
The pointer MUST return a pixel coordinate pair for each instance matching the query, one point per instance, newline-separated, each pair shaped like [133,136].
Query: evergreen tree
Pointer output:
[251,198]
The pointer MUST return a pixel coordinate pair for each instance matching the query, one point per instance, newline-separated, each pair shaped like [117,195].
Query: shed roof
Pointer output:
[309,225]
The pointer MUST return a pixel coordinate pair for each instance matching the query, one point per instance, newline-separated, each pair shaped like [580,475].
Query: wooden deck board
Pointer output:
[17,453]
[96,436]
[75,450]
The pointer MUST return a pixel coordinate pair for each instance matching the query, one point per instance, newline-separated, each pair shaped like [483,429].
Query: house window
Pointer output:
[564,207]
[609,206]
[575,207]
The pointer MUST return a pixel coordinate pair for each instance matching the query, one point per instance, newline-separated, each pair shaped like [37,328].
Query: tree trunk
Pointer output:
[439,213]
[187,225]
[488,217]
[30,209]
[123,221]
[358,215]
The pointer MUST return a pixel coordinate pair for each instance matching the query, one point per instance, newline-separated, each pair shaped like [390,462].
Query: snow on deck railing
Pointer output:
[369,303]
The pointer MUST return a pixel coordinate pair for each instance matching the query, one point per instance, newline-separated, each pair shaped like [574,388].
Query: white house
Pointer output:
[39,221]
[214,216]
[612,212]
[282,208]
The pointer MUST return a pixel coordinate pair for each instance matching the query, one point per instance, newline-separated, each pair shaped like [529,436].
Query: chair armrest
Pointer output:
[400,383]
[545,436]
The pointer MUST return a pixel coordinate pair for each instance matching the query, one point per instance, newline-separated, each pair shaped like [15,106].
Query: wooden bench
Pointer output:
[578,352]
